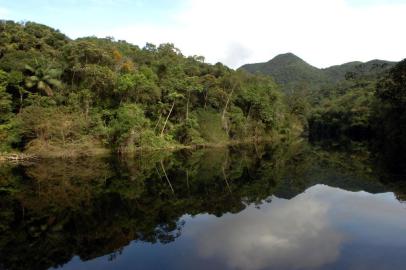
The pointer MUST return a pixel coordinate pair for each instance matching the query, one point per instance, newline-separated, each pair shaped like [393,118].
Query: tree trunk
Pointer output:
[205,97]
[21,100]
[187,179]
[225,179]
[166,176]
[167,118]
[187,106]
[225,126]
[157,123]
[87,105]
[246,120]
[63,138]
[73,77]
[228,101]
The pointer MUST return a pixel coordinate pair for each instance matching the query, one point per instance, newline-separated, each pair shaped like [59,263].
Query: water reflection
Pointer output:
[311,231]
[284,235]
[246,207]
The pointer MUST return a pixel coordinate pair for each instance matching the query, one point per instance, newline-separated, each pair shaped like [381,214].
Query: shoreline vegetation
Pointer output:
[72,153]
[65,98]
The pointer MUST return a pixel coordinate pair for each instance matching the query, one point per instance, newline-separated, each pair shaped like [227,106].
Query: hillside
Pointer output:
[75,97]
[291,72]
[371,68]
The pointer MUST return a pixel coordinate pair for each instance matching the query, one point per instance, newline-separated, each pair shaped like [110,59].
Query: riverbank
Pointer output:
[78,151]
[15,157]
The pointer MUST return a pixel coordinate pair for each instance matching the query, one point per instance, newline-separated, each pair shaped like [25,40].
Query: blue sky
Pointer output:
[322,32]
[85,17]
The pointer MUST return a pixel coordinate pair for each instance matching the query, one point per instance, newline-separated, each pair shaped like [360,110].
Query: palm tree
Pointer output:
[43,79]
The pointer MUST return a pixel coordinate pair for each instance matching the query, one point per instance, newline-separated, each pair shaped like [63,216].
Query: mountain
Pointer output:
[286,68]
[371,68]
[291,72]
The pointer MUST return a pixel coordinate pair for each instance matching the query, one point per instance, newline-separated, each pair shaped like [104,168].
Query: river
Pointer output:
[293,206]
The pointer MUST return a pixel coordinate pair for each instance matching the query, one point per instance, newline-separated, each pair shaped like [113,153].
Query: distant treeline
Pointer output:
[367,108]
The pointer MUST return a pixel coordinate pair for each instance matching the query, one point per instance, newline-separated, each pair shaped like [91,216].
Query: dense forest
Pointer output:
[363,107]
[65,96]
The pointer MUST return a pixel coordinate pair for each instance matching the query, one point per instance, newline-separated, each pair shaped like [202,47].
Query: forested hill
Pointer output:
[287,68]
[292,72]
[64,96]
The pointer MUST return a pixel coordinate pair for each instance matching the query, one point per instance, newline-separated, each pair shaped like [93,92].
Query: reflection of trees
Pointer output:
[56,209]
[381,167]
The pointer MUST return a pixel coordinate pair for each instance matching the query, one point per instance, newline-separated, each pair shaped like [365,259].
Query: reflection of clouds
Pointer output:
[287,234]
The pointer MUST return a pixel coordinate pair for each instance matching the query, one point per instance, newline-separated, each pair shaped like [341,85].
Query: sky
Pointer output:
[234,32]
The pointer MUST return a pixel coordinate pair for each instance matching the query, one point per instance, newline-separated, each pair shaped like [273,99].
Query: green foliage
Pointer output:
[101,80]
[30,36]
[349,114]
[289,71]
[188,132]
[5,98]
[390,116]
[368,105]
[130,129]
[139,86]
[259,100]
[392,88]
[210,126]
[43,79]
[116,94]
[53,125]
[8,134]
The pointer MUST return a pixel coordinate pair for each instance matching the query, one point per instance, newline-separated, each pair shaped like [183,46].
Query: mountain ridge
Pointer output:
[290,71]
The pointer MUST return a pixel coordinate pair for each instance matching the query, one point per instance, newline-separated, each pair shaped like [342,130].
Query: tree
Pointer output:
[5,98]
[9,129]
[137,86]
[208,81]
[390,116]
[127,126]
[392,89]
[125,86]
[230,84]
[43,79]
[193,87]
[174,96]
[101,80]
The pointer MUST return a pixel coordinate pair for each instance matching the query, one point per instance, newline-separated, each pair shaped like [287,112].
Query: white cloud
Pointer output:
[240,31]
[310,231]
[294,234]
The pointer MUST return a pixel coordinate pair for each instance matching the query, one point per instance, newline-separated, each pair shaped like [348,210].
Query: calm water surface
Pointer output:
[247,207]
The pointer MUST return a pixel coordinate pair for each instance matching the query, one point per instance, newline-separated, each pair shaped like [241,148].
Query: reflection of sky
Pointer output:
[322,228]
[283,234]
